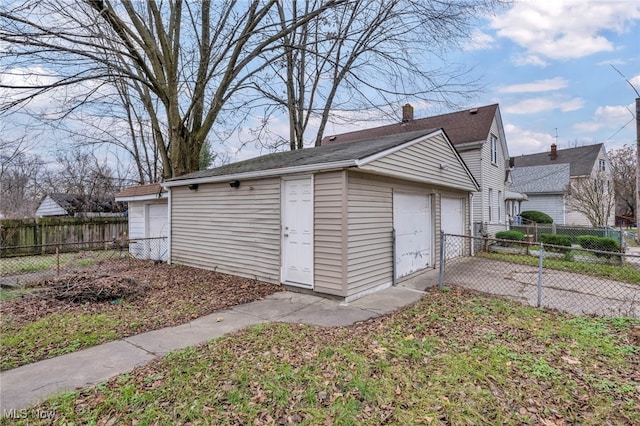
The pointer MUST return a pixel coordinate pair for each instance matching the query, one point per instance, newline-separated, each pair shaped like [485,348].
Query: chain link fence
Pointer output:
[573,279]
[53,260]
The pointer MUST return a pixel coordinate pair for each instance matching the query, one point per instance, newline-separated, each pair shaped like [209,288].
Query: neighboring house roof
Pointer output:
[141,192]
[472,125]
[547,179]
[74,204]
[313,159]
[581,159]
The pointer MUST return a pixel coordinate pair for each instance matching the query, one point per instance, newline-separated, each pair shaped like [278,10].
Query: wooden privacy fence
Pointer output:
[33,236]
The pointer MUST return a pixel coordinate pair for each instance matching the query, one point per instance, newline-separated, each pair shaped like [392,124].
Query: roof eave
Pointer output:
[307,168]
[146,197]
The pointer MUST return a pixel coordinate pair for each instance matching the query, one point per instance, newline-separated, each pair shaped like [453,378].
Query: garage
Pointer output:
[148,221]
[413,232]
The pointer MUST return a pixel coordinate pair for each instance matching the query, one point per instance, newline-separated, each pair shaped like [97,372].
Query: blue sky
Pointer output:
[548,64]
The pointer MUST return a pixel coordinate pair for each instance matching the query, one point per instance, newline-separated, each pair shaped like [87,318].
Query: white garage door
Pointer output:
[412,223]
[452,222]
[157,226]
[157,218]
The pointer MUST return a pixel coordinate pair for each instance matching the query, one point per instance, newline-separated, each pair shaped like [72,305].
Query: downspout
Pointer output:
[473,246]
[170,191]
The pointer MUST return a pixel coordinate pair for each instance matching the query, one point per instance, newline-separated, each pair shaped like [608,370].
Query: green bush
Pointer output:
[536,216]
[510,235]
[591,242]
[556,239]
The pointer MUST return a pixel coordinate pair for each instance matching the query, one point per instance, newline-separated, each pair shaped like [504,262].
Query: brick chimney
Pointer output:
[554,151]
[407,113]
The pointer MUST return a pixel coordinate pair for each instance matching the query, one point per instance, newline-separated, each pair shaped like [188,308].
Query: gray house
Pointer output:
[586,163]
[62,204]
[547,188]
[325,218]
[478,135]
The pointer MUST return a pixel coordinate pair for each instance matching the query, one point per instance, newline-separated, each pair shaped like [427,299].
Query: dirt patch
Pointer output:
[151,295]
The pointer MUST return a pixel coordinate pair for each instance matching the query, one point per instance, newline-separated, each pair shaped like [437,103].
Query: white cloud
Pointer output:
[635,82]
[535,105]
[536,86]
[565,29]
[607,117]
[480,41]
[523,141]
[524,60]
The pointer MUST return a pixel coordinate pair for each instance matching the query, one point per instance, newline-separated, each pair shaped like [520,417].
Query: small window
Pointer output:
[490,204]
[602,165]
[494,149]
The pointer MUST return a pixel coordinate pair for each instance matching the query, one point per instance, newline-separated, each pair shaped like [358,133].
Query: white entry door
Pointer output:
[297,232]
[412,223]
[452,222]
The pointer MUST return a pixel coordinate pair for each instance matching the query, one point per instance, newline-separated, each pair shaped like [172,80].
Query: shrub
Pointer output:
[591,242]
[556,240]
[510,235]
[536,216]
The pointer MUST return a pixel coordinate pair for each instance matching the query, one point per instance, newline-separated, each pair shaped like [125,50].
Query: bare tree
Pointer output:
[623,168]
[20,174]
[367,54]
[593,196]
[184,61]
[81,173]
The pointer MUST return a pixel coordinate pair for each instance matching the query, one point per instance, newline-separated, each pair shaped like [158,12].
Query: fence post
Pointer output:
[57,261]
[443,237]
[540,258]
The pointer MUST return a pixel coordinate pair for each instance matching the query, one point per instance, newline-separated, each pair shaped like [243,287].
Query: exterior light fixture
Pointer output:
[234,183]
[193,187]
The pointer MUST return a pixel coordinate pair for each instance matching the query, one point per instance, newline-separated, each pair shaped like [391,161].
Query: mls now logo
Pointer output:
[14,413]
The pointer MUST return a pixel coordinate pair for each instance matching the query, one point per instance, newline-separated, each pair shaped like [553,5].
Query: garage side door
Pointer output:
[452,222]
[413,226]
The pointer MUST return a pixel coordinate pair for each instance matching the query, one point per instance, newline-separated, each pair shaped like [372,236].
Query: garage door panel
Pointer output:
[412,223]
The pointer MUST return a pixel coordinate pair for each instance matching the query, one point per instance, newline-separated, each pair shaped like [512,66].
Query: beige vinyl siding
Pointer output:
[421,162]
[488,175]
[231,230]
[370,223]
[473,160]
[330,233]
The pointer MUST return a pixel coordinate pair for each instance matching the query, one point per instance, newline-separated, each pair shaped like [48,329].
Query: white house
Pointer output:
[478,136]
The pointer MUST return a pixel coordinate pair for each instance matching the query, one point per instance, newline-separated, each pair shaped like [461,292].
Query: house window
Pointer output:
[500,202]
[602,165]
[490,205]
[494,149]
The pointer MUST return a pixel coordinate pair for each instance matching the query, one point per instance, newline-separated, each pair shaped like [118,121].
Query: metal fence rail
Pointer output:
[58,259]
[570,279]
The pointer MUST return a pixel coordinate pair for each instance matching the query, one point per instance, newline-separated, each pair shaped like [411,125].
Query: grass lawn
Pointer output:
[624,273]
[452,358]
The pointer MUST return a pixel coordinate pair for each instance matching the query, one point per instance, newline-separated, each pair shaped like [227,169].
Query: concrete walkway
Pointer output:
[29,384]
